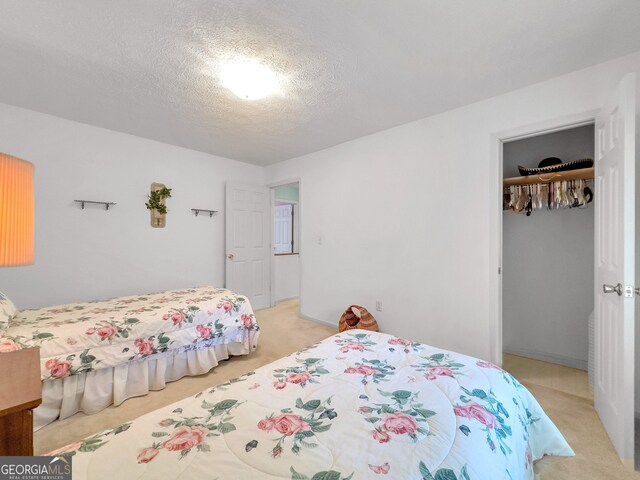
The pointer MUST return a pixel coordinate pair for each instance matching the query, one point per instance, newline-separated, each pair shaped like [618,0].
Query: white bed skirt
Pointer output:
[94,391]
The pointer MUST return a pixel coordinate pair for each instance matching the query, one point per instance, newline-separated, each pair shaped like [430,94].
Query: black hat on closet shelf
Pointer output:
[554,164]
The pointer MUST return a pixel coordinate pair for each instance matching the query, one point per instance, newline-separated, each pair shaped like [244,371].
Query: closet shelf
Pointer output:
[578,174]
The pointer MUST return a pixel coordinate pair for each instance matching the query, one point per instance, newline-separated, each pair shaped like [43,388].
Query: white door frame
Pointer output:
[495,188]
[271,186]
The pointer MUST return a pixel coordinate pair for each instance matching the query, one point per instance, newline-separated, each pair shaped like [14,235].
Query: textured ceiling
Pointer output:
[352,67]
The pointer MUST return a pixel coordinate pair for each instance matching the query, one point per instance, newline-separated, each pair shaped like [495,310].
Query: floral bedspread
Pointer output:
[357,405]
[81,337]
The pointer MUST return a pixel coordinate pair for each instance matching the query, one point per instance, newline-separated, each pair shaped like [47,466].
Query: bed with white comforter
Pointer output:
[94,354]
[357,405]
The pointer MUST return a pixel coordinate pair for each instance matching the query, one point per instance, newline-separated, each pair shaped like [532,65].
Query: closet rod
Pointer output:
[578,174]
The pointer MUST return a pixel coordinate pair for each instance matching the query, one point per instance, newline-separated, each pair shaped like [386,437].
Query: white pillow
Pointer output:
[7,311]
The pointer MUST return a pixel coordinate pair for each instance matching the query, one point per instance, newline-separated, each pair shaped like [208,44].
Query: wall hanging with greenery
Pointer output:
[157,204]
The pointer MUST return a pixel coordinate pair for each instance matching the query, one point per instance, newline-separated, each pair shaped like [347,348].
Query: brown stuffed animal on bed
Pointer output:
[357,317]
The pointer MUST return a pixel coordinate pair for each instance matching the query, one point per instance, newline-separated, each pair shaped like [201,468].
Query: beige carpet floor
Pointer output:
[561,391]
[566,396]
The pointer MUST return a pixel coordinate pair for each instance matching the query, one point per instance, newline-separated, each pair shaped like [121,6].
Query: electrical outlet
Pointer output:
[379,305]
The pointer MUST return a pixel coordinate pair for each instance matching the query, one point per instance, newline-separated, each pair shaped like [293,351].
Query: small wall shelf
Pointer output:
[198,210]
[579,174]
[106,204]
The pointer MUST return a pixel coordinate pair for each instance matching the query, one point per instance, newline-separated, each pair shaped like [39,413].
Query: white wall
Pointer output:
[287,276]
[548,262]
[404,215]
[89,254]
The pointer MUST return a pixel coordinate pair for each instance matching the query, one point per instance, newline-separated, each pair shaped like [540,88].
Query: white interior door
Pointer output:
[283,234]
[248,242]
[614,267]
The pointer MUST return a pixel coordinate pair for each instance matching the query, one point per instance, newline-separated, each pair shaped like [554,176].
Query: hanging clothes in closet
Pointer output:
[549,196]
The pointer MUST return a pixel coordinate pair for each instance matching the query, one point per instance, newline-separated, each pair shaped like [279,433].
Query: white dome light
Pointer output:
[249,80]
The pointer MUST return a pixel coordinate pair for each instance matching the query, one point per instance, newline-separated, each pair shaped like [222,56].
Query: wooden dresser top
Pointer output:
[20,384]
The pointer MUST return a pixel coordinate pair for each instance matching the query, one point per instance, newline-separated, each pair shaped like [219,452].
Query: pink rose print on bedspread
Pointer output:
[204,331]
[61,368]
[246,320]
[297,378]
[181,316]
[404,344]
[107,332]
[483,364]
[307,370]
[352,346]
[9,346]
[298,428]
[354,342]
[185,438]
[58,368]
[191,433]
[371,370]
[380,436]
[484,408]
[439,365]
[286,424]
[147,454]
[226,305]
[362,370]
[476,412]
[403,415]
[399,341]
[177,318]
[435,372]
[400,423]
[144,347]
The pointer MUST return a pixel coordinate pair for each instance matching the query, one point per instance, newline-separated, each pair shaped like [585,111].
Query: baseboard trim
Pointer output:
[549,357]
[287,299]
[315,320]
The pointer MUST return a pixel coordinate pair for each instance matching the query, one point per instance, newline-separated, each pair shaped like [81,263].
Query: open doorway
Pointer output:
[286,242]
[548,251]
[614,261]
[548,261]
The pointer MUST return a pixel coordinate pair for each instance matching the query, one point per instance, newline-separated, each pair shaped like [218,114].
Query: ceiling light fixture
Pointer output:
[249,79]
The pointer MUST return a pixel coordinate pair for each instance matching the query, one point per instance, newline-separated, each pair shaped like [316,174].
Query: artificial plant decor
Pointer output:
[157,198]
[157,204]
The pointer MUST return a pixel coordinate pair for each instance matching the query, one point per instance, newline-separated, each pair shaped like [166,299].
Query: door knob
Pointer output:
[611,289]
[231,256]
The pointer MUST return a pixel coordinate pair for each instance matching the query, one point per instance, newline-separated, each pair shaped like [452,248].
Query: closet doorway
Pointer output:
[548,250]
[285,283]
[613,262]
